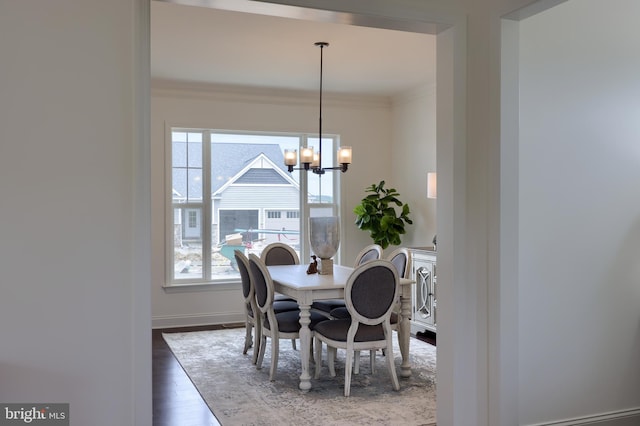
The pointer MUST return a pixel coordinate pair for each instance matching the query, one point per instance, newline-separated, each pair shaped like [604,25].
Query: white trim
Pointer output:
[609,417]
[227,93]
[140,306]
[195,320]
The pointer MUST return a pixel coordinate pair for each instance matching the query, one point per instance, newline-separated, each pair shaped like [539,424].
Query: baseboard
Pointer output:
[172,321]
[628,417]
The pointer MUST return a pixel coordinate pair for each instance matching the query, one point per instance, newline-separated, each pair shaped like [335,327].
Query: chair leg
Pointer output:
[356,362]
[348,365]
[248,338]
[331,360]
[258,342]
[293,344]
[274,357]
[392,367]
[318,357]
[263,344]
[372,361]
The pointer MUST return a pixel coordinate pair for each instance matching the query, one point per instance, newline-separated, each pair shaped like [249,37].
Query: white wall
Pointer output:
[74,324]
[579,335]
[413,154]
[363,123]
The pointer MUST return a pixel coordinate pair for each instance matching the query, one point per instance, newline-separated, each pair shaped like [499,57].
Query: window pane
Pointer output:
[250,190]
[187,243]
[186,151]
[179,153]
[195,184]
[179,185]
[233,232]
[195,150]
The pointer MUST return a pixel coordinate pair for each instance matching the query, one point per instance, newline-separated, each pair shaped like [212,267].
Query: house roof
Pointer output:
[229,159]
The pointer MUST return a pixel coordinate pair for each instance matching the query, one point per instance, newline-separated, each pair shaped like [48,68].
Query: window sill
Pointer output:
[198,287]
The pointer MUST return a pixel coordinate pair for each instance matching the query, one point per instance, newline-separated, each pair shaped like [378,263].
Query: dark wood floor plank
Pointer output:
[176,401]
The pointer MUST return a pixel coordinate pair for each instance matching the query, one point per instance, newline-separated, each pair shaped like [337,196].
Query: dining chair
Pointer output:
[253,318]
[279,254]
[401,260]
[275,325]
[370,252]
[370,294]
[326,306]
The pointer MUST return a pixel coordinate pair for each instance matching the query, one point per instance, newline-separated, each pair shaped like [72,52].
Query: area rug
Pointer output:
[239,394]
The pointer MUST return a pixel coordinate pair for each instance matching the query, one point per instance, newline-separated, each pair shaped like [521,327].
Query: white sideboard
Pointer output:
[424,300]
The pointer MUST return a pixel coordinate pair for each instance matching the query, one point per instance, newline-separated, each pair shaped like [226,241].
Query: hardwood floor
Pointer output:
[176,401]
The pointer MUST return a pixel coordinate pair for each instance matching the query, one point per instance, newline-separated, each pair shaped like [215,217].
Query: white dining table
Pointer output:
[293,281]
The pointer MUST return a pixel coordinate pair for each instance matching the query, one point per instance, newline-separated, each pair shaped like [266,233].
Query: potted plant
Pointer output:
[377,214]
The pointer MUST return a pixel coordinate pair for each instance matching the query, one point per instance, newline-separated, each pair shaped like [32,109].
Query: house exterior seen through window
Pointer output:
[231,190]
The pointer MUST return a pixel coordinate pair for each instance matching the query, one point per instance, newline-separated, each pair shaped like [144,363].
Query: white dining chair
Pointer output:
[370,294]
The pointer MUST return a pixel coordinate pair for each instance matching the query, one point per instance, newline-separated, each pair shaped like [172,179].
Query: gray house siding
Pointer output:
[263,198]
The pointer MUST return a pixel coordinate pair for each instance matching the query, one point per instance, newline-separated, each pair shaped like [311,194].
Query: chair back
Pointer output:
[279,254]
[371,291]
[401,259]
[262,284]
[243,267]
[369,253]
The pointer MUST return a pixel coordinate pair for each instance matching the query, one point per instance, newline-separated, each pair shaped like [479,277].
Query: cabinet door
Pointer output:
[424,301]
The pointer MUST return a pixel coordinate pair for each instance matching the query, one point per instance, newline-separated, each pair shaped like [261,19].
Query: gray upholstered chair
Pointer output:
[370,294]
[370,252]
[324,307]
[253,319]
[279,254]
[401,260]
[276,326]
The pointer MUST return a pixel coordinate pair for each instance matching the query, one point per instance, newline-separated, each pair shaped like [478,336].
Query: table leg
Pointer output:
[305,346]
[404,334]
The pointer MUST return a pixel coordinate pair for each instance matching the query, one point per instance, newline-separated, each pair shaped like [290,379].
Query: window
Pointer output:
[193,223]
[231,190]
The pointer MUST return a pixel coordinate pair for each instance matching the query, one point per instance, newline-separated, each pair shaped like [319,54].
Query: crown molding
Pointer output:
[229,93]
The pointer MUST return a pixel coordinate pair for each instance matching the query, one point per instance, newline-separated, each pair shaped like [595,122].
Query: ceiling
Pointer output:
[206,45]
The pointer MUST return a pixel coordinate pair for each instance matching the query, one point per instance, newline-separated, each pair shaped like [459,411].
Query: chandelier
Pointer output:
[313,160]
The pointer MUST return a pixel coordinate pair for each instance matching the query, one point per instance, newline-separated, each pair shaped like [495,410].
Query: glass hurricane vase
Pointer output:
[324,237]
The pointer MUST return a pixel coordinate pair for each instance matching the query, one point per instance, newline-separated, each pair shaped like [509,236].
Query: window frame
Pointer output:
[205,206]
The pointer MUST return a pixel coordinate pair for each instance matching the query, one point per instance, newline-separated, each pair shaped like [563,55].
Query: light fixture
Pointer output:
[432,192]
[313,160]
[432,185]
